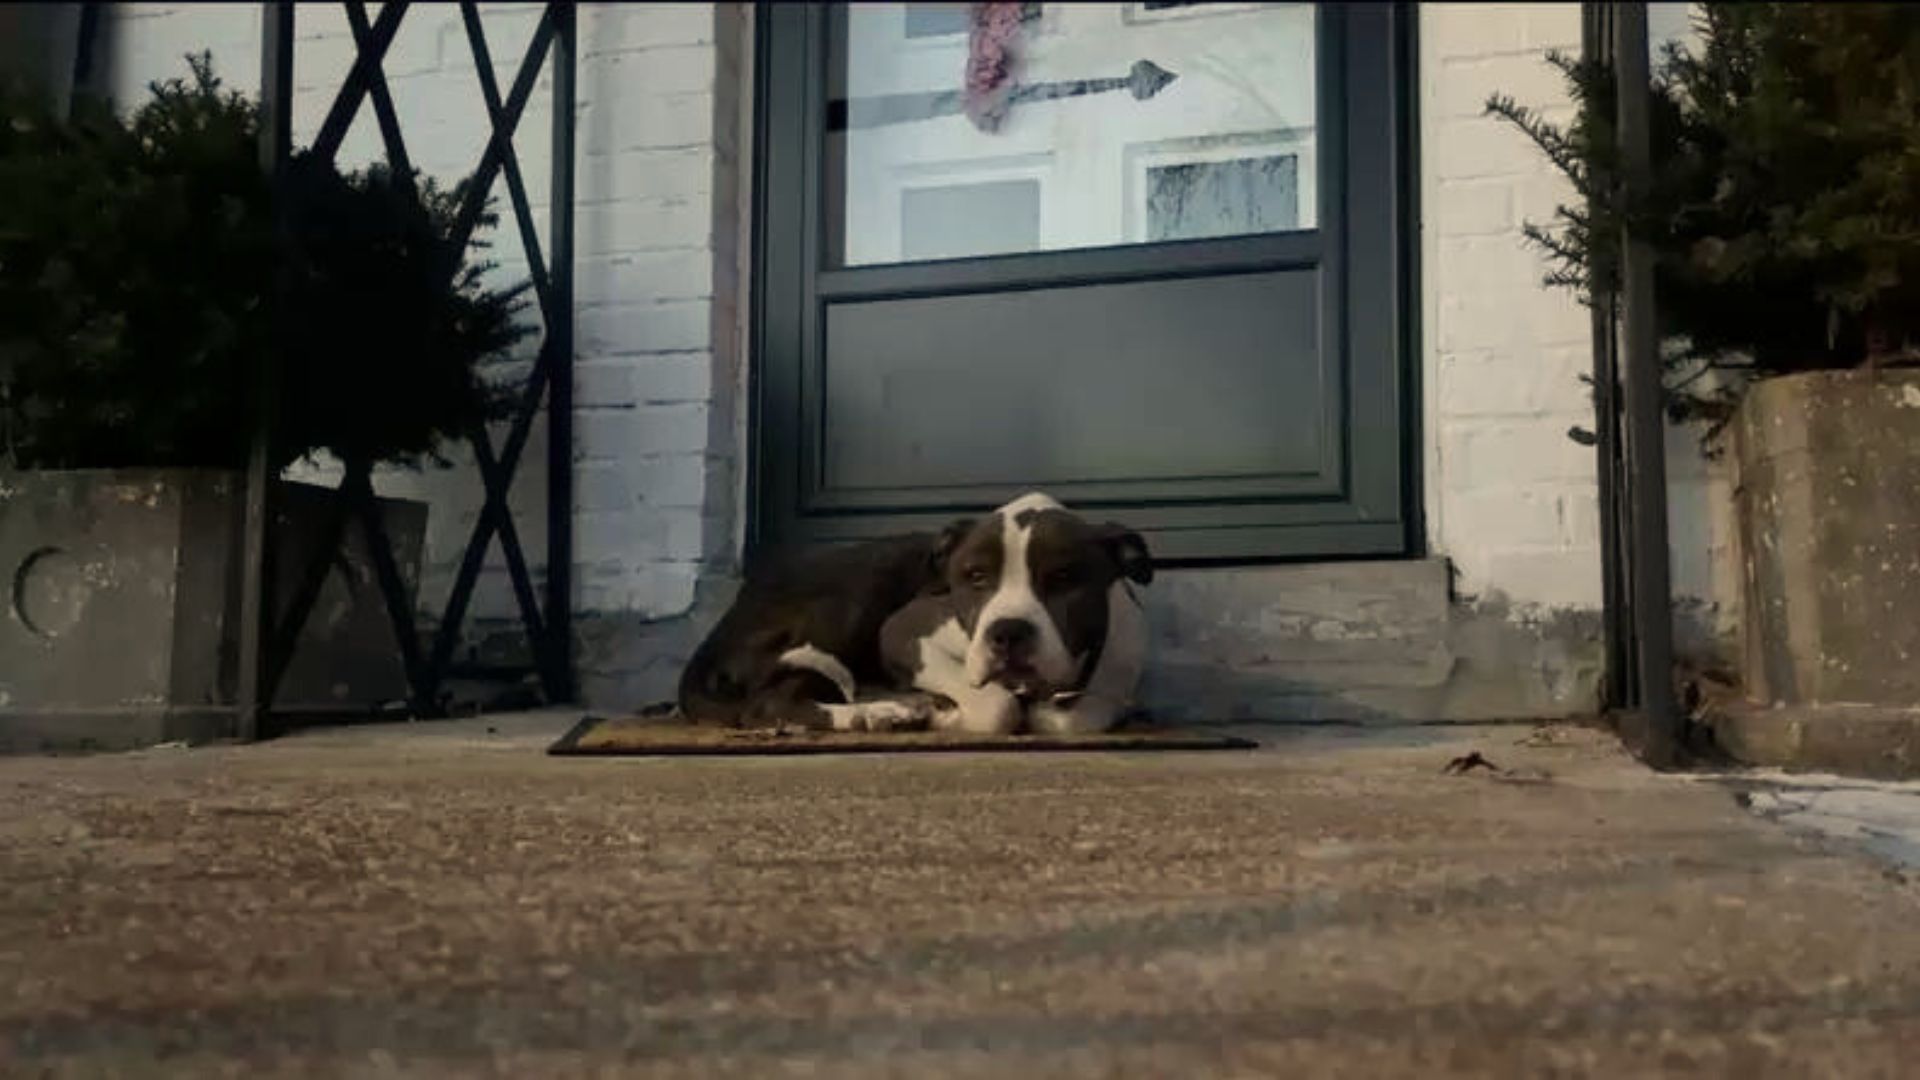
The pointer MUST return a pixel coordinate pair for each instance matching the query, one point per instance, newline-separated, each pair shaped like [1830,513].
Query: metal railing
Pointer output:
[1628,392]
[268,643]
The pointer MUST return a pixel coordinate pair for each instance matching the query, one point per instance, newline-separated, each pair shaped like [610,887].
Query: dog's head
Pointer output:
[1031,584]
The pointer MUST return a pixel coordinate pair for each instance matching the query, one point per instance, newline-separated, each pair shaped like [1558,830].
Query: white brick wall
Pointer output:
[1510,497]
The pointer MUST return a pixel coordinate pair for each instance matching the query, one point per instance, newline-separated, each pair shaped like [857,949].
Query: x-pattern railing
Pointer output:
[269,645]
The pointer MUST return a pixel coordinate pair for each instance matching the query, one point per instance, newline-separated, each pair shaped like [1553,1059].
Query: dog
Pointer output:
[1026,619]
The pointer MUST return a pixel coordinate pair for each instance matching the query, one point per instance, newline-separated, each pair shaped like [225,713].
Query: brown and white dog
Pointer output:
[1025,619]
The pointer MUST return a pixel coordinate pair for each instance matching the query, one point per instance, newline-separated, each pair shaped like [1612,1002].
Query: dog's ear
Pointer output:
[1129,552]
[943,546]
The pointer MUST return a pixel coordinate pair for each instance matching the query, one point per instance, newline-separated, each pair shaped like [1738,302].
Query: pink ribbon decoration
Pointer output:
[993,56]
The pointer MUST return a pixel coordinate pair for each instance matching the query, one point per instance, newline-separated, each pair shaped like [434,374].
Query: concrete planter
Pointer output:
[122,598]
[1828,501]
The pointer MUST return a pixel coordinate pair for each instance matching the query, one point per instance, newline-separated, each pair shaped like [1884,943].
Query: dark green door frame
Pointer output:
[1359,498]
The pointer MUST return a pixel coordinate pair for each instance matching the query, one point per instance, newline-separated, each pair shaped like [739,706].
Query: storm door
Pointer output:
[1147,256]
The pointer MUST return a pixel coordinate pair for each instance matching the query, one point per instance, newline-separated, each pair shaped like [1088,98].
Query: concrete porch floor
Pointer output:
[443,900]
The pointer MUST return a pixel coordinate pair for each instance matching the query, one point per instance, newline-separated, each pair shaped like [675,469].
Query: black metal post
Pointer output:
[1657,718]
[1616,611]
[256,609]
[83,54]
[559,627]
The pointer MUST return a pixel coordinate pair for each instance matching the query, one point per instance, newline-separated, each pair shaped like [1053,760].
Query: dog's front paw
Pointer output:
[1077,714]
[882,716]
[990,712]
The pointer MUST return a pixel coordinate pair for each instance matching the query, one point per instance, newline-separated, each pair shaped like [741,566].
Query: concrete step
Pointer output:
[1377,641]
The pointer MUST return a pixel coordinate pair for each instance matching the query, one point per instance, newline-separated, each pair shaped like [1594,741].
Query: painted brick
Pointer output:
[616,28]
[680,532]
[310,21]
[664,589]
[667,70]
[444,120]
[651,122]
[657,589]
[1527,517]
[628,329]
[674,481]
[670,429]
[1493,321]
[1481,266]
[1507,456]
[644,275]
[603,383]
[1481,147]
[1580,517]
[1549,578]
[642,174]
[1510,385]
[1467,83]
[675,378]
[1551,26]
[137,13]
[1538,198]
[622,434]
[156,49]
[1475,208]
[605,570]
[650,225]
[600,434]
[323,61]
[640,539]
[508,32]
[1475,29]
[421,45]
[603,488]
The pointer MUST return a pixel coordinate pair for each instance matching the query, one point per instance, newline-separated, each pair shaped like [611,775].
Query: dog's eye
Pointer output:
[977,578]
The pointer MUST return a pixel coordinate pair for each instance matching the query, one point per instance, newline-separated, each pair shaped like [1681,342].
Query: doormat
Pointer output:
[657,735]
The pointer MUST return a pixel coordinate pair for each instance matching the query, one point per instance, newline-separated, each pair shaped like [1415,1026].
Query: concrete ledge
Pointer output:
[1853,740]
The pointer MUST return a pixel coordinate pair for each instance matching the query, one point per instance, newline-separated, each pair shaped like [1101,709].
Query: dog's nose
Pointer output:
[1011,637]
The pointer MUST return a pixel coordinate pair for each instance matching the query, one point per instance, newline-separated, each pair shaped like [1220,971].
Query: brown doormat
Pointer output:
[656,735]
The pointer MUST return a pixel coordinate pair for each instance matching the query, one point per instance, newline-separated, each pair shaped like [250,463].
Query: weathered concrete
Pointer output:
[1379,641]
[1829,505]
[1857,740]
[122,605]
[441,900]
[1878,816]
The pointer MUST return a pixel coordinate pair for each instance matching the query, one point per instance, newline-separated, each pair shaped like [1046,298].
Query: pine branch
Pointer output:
[1551,140]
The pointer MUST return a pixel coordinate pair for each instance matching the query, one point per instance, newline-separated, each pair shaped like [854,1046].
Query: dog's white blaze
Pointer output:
[819,661]
[1032,500]
[1015,599]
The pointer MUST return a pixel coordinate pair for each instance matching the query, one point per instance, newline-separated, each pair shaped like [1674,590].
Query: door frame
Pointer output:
[1392,165]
